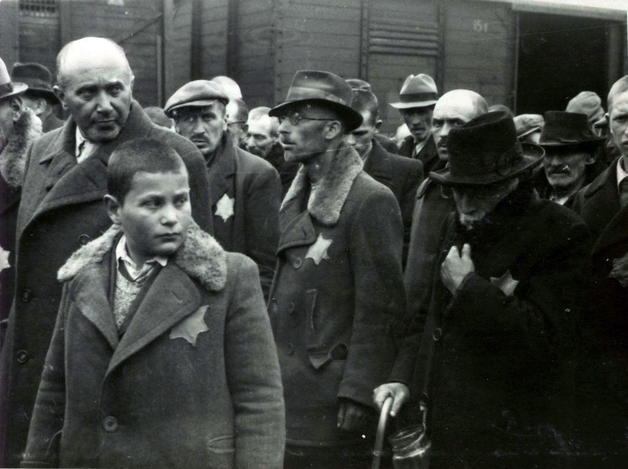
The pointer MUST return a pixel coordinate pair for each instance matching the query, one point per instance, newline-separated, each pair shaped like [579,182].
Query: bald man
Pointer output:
[62,209]
[432,207]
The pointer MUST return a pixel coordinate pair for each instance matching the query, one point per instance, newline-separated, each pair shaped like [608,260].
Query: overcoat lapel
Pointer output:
[615,232]
[220,176]
[378,163]
[300,231]
[172,297]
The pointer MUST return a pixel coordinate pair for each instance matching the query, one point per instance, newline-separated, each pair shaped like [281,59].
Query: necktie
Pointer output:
[623,192]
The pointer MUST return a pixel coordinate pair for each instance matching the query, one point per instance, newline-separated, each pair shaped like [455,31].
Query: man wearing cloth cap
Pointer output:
[61,207]
[40,96]
[338,287]
[416,104]
[19,127]
[489,348]
[603,205]
[529,127]
[245,189]
[571,156]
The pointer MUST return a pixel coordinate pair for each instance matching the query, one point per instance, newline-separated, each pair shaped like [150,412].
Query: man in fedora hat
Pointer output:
[603,205]
[61,207]
[571,156]
[486,355]
[338,285]
[40,96]
[417,98]
[19,127]
[245,189]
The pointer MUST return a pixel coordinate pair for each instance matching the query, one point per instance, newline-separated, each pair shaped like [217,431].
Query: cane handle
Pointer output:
[381,430]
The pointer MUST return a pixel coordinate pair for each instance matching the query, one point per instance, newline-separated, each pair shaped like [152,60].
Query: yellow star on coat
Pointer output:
[505,283]
[318,250]
[224,207]
[191,327]
[4,259]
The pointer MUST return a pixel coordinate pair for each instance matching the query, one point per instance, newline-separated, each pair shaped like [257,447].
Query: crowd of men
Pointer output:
[473,269]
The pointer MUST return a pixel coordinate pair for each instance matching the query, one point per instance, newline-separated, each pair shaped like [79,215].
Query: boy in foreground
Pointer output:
[162,355]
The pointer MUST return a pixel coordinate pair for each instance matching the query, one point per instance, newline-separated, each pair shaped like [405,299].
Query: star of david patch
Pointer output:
[224,207]
[191,327]
[318,251]
[505,283]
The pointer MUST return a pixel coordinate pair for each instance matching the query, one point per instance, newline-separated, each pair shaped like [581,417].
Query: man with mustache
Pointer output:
[61,207]
[245,189]
[416,104]
[571,156]
[338,286]
[486,357]
[603,372]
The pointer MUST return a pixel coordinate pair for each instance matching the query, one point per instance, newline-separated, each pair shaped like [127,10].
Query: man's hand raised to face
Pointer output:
[456,266]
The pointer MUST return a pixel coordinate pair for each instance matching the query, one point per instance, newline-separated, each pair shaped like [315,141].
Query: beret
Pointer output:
[196,93]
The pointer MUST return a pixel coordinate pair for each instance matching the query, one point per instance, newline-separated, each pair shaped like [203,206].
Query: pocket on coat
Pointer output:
[221,452]
[310,317]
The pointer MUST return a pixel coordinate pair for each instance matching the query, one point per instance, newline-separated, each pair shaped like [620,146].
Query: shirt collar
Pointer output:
[134,270]
[621,172]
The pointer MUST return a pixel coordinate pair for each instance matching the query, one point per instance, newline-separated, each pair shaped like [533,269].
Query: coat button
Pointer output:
[438,333]
[22,356]
[84,239]
[27,295]
[110,424]
[297,263]
[291,308]
[290,349]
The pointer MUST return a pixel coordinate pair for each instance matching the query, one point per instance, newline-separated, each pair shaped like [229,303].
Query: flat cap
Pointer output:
[198,93]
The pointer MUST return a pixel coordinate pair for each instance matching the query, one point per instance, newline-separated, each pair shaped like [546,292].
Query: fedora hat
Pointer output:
[323,88]
[7,87]
[564,128]
[417,91]
[197,93]
[37,77]
[486,151]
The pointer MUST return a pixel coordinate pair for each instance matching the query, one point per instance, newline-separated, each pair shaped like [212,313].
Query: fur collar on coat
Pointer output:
[200,257]
[13,156]
[331,194]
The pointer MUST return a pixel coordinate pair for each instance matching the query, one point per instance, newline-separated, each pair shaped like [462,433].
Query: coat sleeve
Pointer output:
[42,447]
[263,198]
[253,374]
[376,245]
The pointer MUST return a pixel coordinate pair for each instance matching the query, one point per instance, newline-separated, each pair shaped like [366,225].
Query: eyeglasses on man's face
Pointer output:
[295,117]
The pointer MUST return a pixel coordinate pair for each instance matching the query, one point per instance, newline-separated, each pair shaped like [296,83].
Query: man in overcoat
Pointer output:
[401,175]
[490,353]
[603,372]
[338,286]
[417,98]
[61,208]
[245,189]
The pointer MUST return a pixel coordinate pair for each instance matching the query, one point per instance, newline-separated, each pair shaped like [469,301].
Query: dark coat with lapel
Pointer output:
[62,209]
[52,122]
[498,384]
[12,163]
[337,289]
[428,154]
[254,186]
[603,368]
[193,382]
[402,176]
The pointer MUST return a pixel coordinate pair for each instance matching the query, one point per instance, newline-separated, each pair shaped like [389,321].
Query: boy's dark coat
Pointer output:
[193,382]
[62,209]
[331,307]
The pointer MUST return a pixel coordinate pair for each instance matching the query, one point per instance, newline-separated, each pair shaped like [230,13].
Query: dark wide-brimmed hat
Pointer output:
[486,151]
[197,93]
[37,77]
[417,91]
[8,87]
[564,129]
[323,88]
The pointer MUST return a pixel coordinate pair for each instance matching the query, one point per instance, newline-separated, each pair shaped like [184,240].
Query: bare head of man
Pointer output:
[262,133]
[617,115]
[453,109]
[95,85]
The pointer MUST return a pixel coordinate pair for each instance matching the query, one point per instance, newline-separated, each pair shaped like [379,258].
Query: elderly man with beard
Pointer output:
[490,351]
[19,127]
[338,286]
[262,139]
[571,158]
[245,189]
[61,207]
